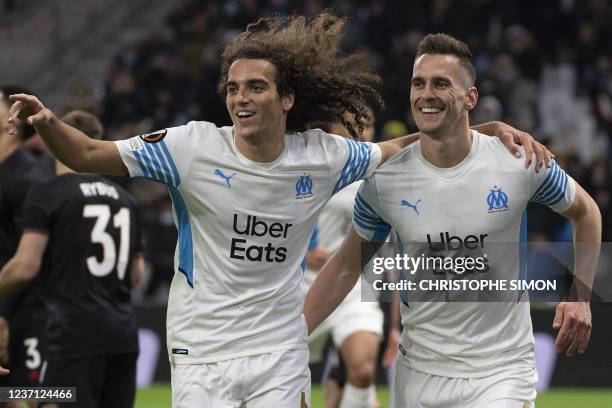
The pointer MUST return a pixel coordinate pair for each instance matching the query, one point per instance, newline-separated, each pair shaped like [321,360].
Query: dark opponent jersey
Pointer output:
[86,273]
[18,173]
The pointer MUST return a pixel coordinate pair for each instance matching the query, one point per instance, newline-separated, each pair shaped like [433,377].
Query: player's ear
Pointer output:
[287,101]
[472,98]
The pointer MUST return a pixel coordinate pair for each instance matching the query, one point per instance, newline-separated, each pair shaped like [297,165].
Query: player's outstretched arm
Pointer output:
[334,281]
[573,318]
[511,137]
[25,264]
[72,147]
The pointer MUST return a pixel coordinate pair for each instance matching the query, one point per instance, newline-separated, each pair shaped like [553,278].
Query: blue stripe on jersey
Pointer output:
[345,169]
[314,238]
[552,182]
[553,188]
[356,164]
[164,164]
[382,232]
[314,242]
[156,165]
[365,217]
[184,235]
[148,165]
[522,251]
[363,206]
[138,156]
[175,173]
[556,195]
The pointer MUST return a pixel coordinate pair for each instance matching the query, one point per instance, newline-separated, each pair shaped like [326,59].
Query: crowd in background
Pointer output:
[543,66]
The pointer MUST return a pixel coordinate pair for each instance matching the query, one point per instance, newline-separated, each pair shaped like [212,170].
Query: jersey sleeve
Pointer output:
[162,156]
[38,210]
[366,215]
[553,188]
[351,160]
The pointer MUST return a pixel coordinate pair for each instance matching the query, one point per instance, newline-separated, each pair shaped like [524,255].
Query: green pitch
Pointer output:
[158,396]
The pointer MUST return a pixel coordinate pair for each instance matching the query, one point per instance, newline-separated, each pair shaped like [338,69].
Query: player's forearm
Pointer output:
[78,151]
[16,275]
[488,128]
[68,145]
[330,287]
[587,247]
[390,147]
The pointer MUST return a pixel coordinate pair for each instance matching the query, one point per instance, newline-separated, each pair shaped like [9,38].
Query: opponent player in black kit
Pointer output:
[22,315]
[81,234]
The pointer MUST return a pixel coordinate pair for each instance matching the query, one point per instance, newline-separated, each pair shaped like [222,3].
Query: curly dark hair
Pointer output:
[309,64]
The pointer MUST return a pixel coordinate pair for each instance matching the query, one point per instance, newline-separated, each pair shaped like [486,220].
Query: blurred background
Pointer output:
[543,66]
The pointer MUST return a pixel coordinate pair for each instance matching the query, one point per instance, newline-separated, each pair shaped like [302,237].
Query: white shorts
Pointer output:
[278,379]
[350,317]
[415,389]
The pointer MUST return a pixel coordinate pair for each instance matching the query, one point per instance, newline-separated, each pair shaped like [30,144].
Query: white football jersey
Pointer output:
[483,199]
[243,231]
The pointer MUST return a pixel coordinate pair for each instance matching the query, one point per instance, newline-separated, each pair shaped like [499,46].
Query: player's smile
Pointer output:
[429,110]
[244,116]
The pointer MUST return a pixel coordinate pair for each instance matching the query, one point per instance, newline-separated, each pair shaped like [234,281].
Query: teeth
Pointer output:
[431,110]
[245,114]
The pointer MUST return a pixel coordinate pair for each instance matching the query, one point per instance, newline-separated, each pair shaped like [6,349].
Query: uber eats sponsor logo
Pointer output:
[466,261]
[451,242]
[252,226]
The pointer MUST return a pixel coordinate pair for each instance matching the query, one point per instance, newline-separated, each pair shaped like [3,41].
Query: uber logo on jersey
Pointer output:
[254,227]
[497,200]
[154,137]
[303,187]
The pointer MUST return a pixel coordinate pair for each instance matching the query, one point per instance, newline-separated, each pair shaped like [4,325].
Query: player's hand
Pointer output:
[29,109]
[393,341]
[512,138]
[573,320]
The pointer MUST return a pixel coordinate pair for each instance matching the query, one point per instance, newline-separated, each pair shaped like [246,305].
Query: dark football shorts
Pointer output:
[27,348]
[100,381]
